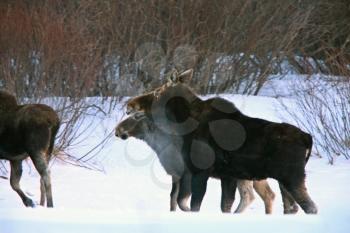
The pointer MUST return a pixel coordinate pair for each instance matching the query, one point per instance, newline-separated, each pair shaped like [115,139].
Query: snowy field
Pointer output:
[132,193]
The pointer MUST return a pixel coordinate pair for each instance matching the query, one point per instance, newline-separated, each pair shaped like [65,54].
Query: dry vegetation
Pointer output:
[116,48]
[85,47]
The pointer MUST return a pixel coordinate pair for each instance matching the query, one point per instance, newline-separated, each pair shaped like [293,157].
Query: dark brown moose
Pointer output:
[27,131]
[168,151]
[234,144]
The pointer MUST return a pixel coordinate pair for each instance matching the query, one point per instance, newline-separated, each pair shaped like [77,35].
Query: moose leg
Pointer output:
[185,191]
[199,187]
[228,191]
[174,194]
[42,182]
[42,167]
[15,177]
[266,194]
[300,195]
[245,188]
[289,204]
[42,192]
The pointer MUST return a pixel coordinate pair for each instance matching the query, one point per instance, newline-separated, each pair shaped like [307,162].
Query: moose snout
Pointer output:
[121,134]
[124,136]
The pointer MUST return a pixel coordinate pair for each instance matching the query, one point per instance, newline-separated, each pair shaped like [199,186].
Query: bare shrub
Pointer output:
[52,58]
[322,101]
[322,108]
[102,47]
[116,48]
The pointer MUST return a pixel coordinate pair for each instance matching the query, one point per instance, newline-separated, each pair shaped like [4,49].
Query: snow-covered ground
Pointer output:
[132,194]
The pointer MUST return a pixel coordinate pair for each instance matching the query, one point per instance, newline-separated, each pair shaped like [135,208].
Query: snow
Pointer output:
[132,192]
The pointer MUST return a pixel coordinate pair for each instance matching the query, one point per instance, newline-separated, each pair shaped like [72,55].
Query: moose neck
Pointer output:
[158,140]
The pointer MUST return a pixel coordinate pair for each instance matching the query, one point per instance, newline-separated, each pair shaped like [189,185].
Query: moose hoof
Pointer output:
[226,210]
[292,209]
[29,203]
[311,210]
[184,208]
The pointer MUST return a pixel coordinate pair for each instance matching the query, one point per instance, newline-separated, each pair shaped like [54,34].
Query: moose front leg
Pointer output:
[228,191]
[199,187]
[174,194]
[185,191]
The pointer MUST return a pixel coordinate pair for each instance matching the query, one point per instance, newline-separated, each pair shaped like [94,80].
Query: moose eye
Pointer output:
[129,110]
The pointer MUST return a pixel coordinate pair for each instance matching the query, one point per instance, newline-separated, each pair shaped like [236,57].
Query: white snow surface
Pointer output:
[132,194]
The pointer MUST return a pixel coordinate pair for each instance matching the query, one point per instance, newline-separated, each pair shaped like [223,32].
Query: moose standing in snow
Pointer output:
[167,148]
[228,142]
[28,131]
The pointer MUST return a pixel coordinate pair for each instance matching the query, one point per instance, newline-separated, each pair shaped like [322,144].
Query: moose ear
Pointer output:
[185,76]
[174,77]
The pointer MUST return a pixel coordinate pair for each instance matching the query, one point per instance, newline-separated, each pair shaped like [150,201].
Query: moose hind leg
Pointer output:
[42,167]
[265,192]
[228,192]
[42,192]
[289,204]
[15,177]
[245,188]
[300,195]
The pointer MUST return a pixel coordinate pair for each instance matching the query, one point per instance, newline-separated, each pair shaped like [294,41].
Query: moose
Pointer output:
[28,131]
[167,147]
[239,146]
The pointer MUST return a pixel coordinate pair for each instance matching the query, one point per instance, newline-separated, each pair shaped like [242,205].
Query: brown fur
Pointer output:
[288,146]
[27,131]
[139,126]
[144,104]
